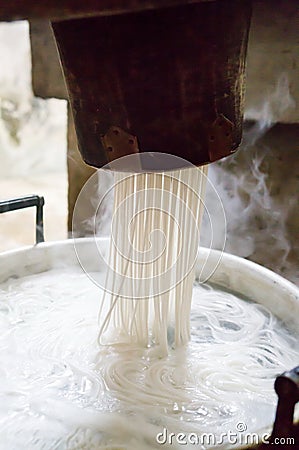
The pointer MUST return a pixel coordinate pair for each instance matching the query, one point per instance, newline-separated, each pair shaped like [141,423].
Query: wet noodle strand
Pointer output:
[154,243]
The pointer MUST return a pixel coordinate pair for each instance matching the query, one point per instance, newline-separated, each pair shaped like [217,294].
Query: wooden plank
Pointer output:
[47,77]
[57,9]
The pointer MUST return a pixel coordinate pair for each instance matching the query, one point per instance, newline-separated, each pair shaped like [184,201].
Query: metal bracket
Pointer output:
[220,138]
[118,143]
[27,202]
[287,389]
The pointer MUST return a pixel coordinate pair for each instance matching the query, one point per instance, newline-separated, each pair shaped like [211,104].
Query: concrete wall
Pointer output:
[273,59]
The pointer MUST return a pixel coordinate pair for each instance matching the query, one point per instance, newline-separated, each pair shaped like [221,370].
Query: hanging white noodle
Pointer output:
[154,243]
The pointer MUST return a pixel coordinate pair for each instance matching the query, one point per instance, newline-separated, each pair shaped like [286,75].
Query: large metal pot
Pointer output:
[243,277]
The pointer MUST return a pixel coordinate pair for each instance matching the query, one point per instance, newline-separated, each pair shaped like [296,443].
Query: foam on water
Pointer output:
[60,390]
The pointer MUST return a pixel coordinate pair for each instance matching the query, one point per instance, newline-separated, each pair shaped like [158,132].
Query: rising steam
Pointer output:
[256,217]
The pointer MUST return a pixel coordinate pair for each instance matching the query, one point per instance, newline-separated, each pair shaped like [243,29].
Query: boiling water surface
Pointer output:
[60,390]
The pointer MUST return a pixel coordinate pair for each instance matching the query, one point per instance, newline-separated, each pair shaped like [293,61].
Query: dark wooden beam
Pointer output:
[66,9]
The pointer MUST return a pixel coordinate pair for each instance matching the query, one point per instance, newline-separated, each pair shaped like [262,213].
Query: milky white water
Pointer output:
[59,390]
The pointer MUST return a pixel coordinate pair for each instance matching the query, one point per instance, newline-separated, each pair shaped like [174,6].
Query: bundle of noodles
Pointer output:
[154,243]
